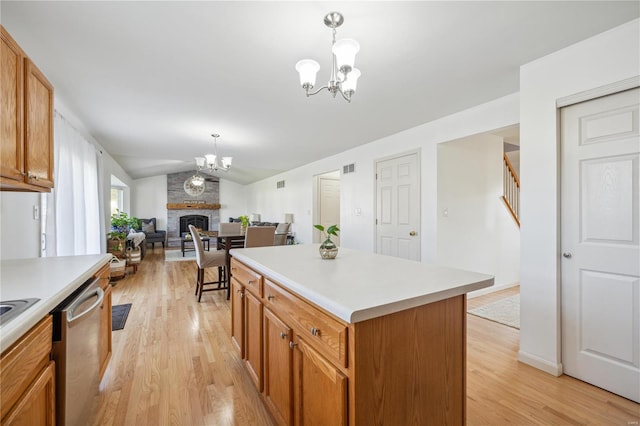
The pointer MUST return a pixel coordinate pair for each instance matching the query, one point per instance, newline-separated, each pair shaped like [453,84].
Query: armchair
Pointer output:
[153,235]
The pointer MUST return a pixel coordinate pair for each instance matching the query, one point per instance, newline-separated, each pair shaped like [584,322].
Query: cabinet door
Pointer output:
[38,119]
[237,316]
[253,337]
[11,87]
[105,331]
[320,389]
[37,404]
[278,364]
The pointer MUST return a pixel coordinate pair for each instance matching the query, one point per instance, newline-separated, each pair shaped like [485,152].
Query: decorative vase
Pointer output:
[328,249]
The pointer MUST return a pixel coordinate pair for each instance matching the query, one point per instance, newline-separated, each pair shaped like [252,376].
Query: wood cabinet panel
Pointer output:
[278,364]
[105,348]
[11,88]
[327,334]
[37,405]
[38,122]
[388,357]
[253,338]
[22,362]
[251,280]
[320,389]
[237,317]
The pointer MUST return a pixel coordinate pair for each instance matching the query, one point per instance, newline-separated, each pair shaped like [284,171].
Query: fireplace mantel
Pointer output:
[194,206]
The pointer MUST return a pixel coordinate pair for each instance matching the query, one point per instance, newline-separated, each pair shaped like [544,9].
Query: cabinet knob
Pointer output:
[292,345]
[283,335]
[315,331]
[250,282]
[566,255]
[270,297]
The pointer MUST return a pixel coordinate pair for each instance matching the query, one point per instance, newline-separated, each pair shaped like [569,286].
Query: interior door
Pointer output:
[600,240]
[398,207]
[329,192]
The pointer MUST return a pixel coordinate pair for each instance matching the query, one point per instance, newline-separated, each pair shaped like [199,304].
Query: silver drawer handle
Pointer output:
[270,297]
[283,335]
[292,345]
[315,331]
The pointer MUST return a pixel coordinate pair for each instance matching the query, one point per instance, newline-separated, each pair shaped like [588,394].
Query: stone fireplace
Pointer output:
[202,211]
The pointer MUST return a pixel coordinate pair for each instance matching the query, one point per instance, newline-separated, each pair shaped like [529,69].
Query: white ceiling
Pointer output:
[152,80]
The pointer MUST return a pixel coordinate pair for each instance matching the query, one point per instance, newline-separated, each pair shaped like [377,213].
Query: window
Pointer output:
[117,199]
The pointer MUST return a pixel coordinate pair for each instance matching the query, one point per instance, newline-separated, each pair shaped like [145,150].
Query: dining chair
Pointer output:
[232,228]
[208,259]
[259,236]
[280,238]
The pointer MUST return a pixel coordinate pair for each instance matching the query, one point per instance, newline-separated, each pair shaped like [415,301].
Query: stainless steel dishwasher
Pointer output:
[76,341]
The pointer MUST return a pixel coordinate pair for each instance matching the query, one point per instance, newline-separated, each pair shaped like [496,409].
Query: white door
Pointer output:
[600,236]
[329,192]
[398,207]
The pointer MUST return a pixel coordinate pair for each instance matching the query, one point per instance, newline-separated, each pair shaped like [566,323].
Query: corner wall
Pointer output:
[604,59]
[475,230]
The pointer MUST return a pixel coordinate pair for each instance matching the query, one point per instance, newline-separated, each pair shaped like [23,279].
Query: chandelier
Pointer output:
[211,162]
[344,77]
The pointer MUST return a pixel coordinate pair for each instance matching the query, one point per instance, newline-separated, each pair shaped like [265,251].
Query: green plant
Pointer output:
[244,220]
[121,224]
[332,230]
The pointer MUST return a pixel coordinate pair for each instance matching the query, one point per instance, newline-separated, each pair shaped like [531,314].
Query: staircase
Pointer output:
[511,189]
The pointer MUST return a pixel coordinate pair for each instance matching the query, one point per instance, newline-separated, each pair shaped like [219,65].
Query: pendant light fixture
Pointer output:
[344,77]
[213,163]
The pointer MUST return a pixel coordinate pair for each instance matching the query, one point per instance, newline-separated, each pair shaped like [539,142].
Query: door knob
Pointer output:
[412,233]
[566,255]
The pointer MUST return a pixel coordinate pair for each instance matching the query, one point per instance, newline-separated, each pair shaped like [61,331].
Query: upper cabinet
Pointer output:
[26,160]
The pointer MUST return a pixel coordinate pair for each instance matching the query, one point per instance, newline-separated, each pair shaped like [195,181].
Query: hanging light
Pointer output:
[344,77]
[210,162]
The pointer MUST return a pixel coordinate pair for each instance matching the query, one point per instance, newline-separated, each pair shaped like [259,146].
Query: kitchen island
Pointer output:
[364,339]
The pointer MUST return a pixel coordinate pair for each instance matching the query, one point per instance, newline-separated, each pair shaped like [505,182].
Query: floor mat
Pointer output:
[119,314]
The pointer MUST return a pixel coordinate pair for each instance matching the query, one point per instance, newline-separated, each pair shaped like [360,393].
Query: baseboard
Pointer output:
[491,289]
[540,364]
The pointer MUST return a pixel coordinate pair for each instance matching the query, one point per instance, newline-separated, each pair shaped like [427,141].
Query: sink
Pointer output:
[12,308]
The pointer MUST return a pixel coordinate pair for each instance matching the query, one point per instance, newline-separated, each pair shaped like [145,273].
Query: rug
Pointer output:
[119,314]
[504,311]
[176,255]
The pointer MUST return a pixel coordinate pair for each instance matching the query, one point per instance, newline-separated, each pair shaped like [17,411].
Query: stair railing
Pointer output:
[511,190]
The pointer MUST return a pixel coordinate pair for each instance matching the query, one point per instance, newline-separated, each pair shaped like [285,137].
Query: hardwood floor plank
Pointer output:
[173,363]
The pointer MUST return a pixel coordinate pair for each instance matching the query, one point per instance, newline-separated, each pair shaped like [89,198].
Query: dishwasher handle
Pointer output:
[73,317]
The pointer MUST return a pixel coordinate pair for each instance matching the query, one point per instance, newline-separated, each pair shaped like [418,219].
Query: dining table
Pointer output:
[227,242]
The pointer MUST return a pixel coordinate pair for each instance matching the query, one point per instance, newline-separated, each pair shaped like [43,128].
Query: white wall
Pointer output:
[233,200]
[19,231]
[604,59]
[357,189]
[477,233]
[150,199]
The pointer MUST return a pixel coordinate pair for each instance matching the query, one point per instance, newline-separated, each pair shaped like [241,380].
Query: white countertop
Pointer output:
[358,285]
[51,279]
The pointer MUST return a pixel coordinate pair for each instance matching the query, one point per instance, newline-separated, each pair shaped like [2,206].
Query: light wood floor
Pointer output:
[174,364]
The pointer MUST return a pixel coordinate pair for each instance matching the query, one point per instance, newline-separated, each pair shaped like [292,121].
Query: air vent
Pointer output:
[280,184]
[348,168]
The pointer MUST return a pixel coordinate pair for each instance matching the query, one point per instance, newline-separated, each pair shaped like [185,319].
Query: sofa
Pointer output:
[152,234]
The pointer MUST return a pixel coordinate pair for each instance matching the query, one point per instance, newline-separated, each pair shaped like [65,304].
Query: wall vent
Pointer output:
[348,168]
[280,184]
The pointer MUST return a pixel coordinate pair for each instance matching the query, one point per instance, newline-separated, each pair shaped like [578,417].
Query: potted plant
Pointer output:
[244,220]
[328,249]
[121,224]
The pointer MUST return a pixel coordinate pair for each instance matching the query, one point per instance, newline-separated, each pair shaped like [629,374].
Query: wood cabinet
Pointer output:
[26,111]
[105,348]
[27,377]
[278,368]
[320,388]
[406,367]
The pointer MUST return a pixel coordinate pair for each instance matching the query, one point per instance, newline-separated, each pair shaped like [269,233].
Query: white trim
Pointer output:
[540,364]
[607,89]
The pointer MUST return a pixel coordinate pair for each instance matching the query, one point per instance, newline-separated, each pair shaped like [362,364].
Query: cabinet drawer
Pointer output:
[323,332]
[247,277]
[22,362]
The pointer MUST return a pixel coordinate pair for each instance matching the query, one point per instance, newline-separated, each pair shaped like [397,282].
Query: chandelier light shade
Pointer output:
[210,162]
[344,76]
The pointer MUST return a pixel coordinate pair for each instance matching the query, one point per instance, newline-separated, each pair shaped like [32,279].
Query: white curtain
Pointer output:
[73,206]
